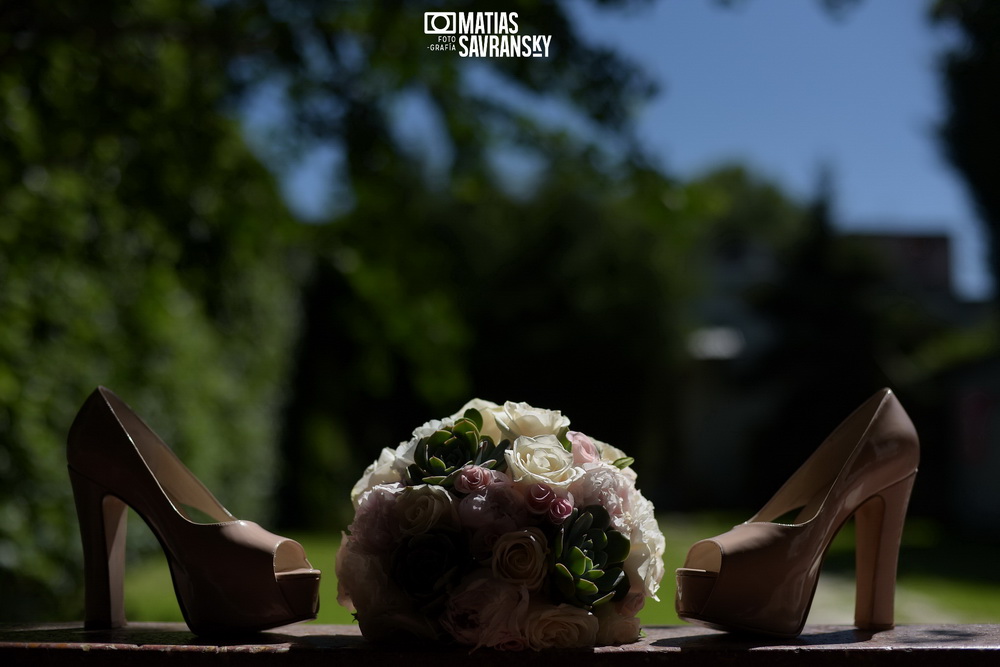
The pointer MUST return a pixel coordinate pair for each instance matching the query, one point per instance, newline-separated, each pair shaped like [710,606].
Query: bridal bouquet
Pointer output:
[500,527]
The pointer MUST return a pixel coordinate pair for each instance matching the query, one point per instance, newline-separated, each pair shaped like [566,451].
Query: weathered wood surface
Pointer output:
[152,644]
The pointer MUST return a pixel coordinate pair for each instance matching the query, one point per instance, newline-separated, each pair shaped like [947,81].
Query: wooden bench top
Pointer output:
[152,644]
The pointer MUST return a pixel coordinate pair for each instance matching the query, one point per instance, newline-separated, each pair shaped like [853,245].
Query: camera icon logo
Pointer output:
[439,23]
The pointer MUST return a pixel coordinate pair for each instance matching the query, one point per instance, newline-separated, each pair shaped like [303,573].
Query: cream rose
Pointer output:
[615,627]
[520,419]
[542,460]
[423,507]
[519,557]
[382,471]
[488,411]
[563,626]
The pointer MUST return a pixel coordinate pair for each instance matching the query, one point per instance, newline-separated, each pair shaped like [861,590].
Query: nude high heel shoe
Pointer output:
[228,575]
[761,576]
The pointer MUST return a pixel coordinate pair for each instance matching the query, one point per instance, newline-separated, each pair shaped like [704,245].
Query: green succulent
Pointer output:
[440,457]
[587,556]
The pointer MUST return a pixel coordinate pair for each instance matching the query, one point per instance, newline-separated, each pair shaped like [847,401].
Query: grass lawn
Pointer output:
[939,582]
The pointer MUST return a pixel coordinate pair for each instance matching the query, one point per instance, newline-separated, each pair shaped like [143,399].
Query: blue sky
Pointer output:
[784,87]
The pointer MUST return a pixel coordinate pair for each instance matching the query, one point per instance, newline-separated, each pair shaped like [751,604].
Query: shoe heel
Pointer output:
[879,523]
[102,528]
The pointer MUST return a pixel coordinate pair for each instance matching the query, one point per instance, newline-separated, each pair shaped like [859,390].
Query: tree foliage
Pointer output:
[970,133]
[145,248]
[484,245]
[142,247]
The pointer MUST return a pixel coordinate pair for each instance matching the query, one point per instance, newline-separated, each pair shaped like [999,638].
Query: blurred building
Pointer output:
[957,410]
[920,266]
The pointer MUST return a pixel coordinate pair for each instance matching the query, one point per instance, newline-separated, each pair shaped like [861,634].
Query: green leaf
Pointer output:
[601,600]
[618,547]
[420,455]
[598,538]
[580,527]
[438,438]
[464,427]
[557,544]
[623,462]
[601,517]
[610,579]
[438,480]
[576,560]
[476,417]
[563,572]
[471,441]
[498,453]
[585,587]
[565,582]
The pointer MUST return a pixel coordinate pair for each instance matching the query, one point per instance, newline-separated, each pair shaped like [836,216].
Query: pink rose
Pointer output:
[539,497]
[559,510]
[584,449]
[473,478]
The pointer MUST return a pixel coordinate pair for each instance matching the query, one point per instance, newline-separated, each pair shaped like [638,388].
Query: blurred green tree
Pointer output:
[438,255]
[145,248]
[142,246]
[840,328]
[498,232]
[971,132]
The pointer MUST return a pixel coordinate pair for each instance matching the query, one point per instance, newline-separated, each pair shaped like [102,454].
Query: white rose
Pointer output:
[519,419]
[488,411]
[616,628]
[564,626]
[542,460]
[384,470]
[519,557]
[423,507]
